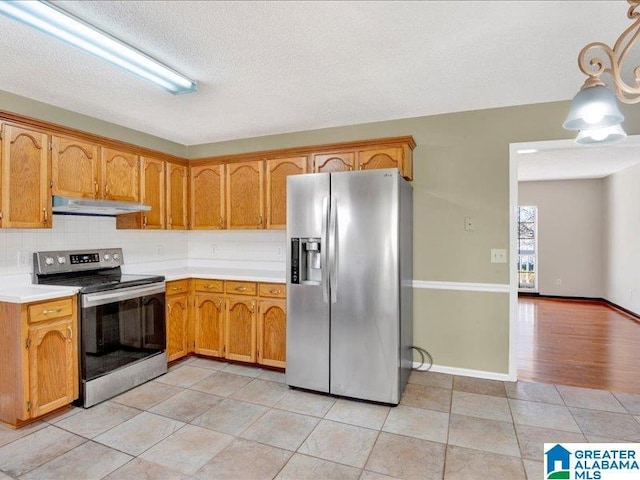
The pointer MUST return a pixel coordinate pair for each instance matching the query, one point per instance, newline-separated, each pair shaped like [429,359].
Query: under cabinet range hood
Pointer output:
[90,206]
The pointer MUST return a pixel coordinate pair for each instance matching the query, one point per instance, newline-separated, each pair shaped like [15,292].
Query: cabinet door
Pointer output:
[333,162]
[177,318]
[277,171]
[209,324]
[74,168]
[120,176]
[153,190]
[244,198]
[176,196]
[207,197]
[26,201]
[380,158]
[52,372]
[240,329]
[272,328]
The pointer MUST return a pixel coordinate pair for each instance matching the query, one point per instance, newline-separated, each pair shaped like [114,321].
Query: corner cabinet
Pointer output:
[206,185]
[245,195]
[25,178]
[177,196]
[39,358]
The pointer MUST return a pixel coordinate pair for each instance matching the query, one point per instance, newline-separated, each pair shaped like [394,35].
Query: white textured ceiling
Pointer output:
[273,67]
[564,160]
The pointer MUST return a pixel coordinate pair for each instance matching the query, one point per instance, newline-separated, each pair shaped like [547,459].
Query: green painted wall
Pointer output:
[461,168]
[42,111]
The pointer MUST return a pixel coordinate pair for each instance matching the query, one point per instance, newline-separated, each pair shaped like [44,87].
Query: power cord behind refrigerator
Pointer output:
[423,355]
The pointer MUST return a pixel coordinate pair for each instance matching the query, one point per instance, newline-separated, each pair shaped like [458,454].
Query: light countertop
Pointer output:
[34,293]
[18,289]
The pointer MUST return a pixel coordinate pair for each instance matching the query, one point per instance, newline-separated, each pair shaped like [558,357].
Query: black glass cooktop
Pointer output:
[98,281]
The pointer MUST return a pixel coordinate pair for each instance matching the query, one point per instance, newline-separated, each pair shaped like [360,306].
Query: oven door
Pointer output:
[120,327]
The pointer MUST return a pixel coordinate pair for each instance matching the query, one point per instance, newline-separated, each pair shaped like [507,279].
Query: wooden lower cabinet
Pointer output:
[236,320]
[38,358]
[240,329]
[177,313]
[272,328]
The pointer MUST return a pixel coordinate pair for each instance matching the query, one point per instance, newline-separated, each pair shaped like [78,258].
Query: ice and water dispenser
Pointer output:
[305,261]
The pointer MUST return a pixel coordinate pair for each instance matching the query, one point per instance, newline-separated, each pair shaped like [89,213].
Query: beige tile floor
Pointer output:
[212,420]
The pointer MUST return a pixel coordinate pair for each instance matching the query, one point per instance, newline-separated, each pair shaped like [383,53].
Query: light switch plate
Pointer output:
[498,255]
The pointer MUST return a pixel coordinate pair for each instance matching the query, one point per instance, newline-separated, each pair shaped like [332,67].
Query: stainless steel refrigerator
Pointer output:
[349,293]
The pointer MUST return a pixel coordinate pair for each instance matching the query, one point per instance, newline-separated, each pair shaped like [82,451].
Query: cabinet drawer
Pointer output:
[272,290]
[208,286]
[178,286]
[240,288]
[41,312]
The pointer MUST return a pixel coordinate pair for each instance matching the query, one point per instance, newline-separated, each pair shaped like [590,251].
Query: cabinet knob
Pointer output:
[275,292]
[221,222]
[260,221]
[174,288]
[241,289]
[70,333]
[45,215]
[52,311]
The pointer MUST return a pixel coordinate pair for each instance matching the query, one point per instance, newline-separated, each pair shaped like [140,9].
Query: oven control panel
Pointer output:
[76,260]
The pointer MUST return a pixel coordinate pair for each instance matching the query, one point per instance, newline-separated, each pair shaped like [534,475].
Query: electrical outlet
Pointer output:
[214,249]
[469,224]
[279,252]
[159,250]
[498,255]
[23,258]
[558,281]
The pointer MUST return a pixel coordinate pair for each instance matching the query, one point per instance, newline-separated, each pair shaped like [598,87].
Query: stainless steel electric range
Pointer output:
[121,319]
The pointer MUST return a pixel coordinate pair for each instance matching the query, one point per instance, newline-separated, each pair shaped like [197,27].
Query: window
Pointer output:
[527,248]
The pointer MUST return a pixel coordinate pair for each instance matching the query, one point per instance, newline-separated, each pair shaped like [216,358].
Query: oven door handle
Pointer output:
[113,296]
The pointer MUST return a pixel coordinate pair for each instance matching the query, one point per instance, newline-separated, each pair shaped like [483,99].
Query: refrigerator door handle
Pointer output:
[333,249]
[324,271]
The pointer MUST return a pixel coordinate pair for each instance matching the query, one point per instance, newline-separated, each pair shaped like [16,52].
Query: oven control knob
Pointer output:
[62,260]
[48,260]
[106,257]
[116,257]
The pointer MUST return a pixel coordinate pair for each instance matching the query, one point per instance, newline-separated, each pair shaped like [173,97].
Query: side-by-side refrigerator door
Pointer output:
[307,282]
[365,309]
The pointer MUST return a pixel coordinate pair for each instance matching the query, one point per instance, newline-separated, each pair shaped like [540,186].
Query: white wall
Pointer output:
[622,238]
[78,232]
[570,235]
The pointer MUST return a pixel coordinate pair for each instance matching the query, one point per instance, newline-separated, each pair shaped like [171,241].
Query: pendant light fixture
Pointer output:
[50,19]
[594,110]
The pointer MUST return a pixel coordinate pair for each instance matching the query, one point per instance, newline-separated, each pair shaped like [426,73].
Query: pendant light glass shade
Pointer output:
[599,136]
[593,108]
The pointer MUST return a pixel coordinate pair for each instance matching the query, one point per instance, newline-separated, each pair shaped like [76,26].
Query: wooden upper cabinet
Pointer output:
[393,157]
[120,176]
[244,195]
[277,171]
[177,195]
[25,178]
[207,197]
[153,193]
[334,162]
[75,167]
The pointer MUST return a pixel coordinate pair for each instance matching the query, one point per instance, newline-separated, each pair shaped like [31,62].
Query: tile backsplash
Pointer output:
[139,246]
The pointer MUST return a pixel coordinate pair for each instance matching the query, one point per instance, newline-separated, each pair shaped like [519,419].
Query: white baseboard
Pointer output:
[467,372]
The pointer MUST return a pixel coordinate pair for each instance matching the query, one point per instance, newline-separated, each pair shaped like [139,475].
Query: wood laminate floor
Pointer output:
[579,343]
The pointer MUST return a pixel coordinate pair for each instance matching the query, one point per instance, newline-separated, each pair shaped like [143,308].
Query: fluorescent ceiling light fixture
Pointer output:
[56,22]
[527,150]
